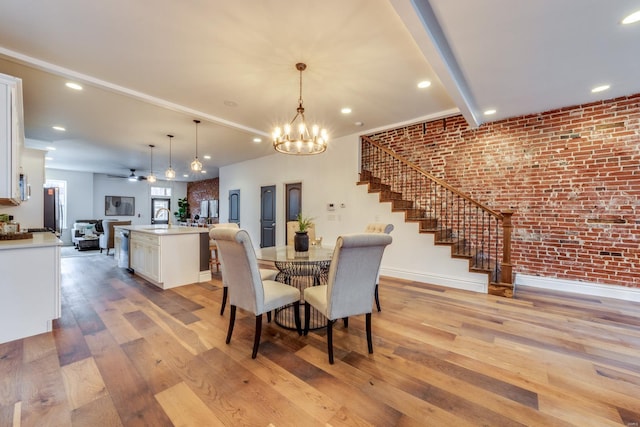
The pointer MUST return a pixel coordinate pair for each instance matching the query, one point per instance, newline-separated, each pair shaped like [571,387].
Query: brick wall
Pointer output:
[572,176]
[202,190]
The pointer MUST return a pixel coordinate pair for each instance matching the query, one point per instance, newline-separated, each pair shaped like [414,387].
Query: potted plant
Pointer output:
[182,214]
[301,239]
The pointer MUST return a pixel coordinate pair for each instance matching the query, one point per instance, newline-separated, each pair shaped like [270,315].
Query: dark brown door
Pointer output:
[268,216]
[293,201]
[234,206]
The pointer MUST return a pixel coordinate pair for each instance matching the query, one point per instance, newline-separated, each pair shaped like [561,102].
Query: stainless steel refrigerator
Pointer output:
[52,210]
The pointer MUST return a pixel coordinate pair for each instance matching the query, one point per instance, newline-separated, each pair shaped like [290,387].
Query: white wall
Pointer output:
[103,185]
[30,213]
[331,178]
[86,192]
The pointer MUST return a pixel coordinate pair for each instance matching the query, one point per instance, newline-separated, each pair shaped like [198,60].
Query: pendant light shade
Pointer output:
[196,165]
[151,177]
[170,173]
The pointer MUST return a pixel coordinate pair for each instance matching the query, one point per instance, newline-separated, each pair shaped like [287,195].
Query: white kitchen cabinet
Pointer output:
[169,257]
[11,138]
[145,256]
[29,286]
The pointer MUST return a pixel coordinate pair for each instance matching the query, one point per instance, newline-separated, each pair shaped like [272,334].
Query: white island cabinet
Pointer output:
[169,257]
[29,286]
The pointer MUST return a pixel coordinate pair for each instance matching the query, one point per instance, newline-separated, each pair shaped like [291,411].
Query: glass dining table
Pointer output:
[299,269]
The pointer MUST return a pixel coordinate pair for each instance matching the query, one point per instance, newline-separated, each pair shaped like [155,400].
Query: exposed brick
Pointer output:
[572,175]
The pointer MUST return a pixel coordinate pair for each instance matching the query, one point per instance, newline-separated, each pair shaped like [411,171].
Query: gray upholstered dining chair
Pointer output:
[378,227]
[248,290]
[265,273]
[350,287]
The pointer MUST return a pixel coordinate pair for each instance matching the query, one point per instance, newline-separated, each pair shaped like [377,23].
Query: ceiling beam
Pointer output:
[419,18]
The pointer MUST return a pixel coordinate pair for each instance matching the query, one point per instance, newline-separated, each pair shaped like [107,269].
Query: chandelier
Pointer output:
[170,173]
[196,165]
[151,177]
[295,138]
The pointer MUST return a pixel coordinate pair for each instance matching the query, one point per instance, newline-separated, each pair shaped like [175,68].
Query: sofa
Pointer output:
[106,238]
[83,227]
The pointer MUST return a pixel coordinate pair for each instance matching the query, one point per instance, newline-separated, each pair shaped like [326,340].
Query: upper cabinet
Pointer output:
[11,138]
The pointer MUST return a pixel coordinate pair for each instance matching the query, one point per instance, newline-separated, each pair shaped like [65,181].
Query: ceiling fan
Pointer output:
[131,177]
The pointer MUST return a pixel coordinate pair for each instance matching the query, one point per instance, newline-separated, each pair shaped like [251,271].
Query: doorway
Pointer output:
[293,202]
[160,209]
[267,216]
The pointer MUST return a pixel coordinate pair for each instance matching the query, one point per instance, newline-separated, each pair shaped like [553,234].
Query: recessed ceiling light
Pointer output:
[51,148]
[186,175]
[230,103]
[346,110]
[423,84]
[358,123]
[48,158]
[60,128]
[207,157]
[630,19]
[74,86]
[203,171]
[257,140]
[489,112]
[600,88]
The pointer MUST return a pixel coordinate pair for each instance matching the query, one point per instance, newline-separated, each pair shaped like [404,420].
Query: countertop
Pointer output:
[43,239]
[163,230]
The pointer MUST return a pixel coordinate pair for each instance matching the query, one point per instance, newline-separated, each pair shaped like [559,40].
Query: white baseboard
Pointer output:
[584,288]
[448,281]
[204,276]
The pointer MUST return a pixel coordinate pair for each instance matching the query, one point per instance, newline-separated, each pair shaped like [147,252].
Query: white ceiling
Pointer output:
[150,67]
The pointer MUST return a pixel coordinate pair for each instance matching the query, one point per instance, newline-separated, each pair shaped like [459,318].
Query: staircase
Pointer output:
[472,230]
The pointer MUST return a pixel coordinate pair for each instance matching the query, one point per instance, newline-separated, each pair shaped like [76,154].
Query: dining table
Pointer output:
[301,270]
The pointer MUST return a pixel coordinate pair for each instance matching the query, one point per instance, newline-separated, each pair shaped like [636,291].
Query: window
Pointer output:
[62,198]
[160,192]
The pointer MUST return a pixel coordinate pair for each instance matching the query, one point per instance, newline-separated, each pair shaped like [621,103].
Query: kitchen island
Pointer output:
[169,256]
[29,285]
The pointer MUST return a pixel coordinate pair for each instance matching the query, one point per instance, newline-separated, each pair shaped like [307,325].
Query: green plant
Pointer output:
[304,223]
[183,213]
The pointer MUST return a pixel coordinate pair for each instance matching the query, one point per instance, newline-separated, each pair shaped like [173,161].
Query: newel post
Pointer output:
[506,273]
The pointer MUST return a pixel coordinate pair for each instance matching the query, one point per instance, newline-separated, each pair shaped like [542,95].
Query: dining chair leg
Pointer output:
[296,313]
[330,340]
[369,343]
[232,320]
[268,317]
[225,291]
[256,340]
[377,298]
[345,321]
[307,317]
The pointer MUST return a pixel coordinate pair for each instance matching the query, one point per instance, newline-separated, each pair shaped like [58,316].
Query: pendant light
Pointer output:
[298,139]
[170,173]
[151,177]
[196,165]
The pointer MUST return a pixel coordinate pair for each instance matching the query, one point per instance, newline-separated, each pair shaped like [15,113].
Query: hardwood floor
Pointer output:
[127,353]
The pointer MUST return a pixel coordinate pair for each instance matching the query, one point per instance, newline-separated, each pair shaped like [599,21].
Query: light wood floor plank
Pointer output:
[127,353]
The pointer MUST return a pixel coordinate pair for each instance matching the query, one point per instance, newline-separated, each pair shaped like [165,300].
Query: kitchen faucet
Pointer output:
[168,215]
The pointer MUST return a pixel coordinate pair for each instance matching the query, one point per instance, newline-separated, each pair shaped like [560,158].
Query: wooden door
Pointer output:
[234,206]
[268,216]
[293,202]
